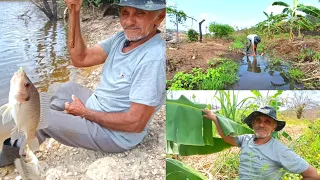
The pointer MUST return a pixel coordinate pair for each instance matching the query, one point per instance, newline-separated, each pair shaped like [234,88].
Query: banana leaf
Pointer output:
[188,133]
[185,124]
[176,170]
[232,128]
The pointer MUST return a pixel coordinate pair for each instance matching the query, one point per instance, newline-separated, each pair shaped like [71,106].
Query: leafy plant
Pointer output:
[296,74]
[296,20]
[214,78]
[221,30]
[192,35]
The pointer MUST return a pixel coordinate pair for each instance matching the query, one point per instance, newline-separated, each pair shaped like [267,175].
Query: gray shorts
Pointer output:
[74,130]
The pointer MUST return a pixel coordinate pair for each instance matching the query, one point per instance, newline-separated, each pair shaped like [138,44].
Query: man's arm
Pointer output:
[213,117]
[81,56]
[310,173]
[134,120]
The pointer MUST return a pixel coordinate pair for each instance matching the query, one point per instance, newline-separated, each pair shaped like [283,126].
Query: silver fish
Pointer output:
[24,109]
[28,165]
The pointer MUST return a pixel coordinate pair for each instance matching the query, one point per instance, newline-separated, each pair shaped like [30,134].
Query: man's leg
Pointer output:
[65,91]
[248,45]
[76,131]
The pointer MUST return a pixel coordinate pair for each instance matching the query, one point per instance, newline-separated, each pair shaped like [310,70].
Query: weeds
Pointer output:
[214,78]
[296,74]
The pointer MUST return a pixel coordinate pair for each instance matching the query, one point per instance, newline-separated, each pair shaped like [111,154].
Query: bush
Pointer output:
[192,35]
[221,30]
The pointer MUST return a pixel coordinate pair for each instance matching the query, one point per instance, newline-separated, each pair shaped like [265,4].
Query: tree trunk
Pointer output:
[299,112]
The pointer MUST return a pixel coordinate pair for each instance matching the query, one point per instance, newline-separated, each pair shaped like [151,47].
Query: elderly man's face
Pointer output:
[263,126]
[138,24]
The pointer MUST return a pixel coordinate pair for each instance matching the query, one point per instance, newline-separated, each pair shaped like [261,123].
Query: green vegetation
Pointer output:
[98,3]
[192,35]
[296,21]
[213,78]
[221,30]
[296,74]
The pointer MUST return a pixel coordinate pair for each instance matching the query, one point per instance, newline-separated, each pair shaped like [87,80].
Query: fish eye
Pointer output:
[27,85]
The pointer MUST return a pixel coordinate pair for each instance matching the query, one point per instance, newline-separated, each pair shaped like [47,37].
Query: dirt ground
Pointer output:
[187,55]
[146,161]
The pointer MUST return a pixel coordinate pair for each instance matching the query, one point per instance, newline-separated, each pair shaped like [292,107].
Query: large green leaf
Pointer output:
[310,10]
[185,124]
[188,133]
[176,170]
[230,127]
[280,3]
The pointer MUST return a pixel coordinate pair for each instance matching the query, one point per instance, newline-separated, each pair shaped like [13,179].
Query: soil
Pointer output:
[185,56]
[146,161]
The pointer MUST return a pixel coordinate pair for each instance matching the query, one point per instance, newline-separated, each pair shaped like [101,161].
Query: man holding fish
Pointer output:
[115,117]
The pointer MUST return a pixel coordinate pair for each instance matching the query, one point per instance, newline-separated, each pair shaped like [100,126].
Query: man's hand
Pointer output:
[77,4]
[209,115]
[76,108]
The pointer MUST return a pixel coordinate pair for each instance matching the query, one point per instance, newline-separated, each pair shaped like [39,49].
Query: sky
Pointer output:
[207,97]
[241,13]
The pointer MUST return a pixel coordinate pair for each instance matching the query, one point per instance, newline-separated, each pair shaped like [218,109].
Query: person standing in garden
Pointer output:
[262,156]
[253,41]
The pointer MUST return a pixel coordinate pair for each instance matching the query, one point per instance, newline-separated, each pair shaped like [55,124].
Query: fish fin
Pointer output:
[6,113]
[42,166]
[42,124]
[16,133]
[17,163]
[33,144]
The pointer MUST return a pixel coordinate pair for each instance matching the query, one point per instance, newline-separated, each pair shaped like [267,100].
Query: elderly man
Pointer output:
[116,116]
[262,156]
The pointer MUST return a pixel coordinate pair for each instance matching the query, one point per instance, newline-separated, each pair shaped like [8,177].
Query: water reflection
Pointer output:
[34,43]
[258,72]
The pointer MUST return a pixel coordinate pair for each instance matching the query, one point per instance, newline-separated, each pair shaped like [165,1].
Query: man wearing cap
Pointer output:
[262,156]
[114,117]
[253,41]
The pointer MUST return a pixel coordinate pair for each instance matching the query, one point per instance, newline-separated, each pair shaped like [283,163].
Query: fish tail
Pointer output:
[17,163]
[6,113]
[33,144]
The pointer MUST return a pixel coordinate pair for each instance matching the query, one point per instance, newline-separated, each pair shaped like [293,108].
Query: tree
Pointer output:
[179,16]
[296,20]
[46,9]
[299,102]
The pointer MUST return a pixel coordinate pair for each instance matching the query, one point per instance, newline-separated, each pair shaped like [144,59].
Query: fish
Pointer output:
[29,166]
[24,108]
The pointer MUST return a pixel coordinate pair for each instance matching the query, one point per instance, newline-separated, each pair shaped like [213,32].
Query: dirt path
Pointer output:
[146,161]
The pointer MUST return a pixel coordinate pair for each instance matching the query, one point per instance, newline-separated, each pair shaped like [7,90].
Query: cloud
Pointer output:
[244,24]
[274,9]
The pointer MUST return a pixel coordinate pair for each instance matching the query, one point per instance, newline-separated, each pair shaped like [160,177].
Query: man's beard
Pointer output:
[136,38]
[261,135]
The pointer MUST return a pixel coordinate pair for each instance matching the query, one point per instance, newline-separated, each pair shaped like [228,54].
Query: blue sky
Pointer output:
[243,13]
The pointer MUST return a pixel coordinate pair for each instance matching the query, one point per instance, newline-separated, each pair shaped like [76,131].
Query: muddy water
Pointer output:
[262,73]
[33,43]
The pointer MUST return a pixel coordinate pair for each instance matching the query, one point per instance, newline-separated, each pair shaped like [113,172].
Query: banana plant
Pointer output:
[272,25]
[295,19]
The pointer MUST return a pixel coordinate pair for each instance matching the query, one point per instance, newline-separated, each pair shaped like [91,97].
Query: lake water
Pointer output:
[31,42]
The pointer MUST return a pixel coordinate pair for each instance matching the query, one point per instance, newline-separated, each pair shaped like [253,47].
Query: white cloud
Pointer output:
[274,9]
[244,24]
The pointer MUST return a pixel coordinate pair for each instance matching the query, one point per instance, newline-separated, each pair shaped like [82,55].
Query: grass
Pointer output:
[216,78]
